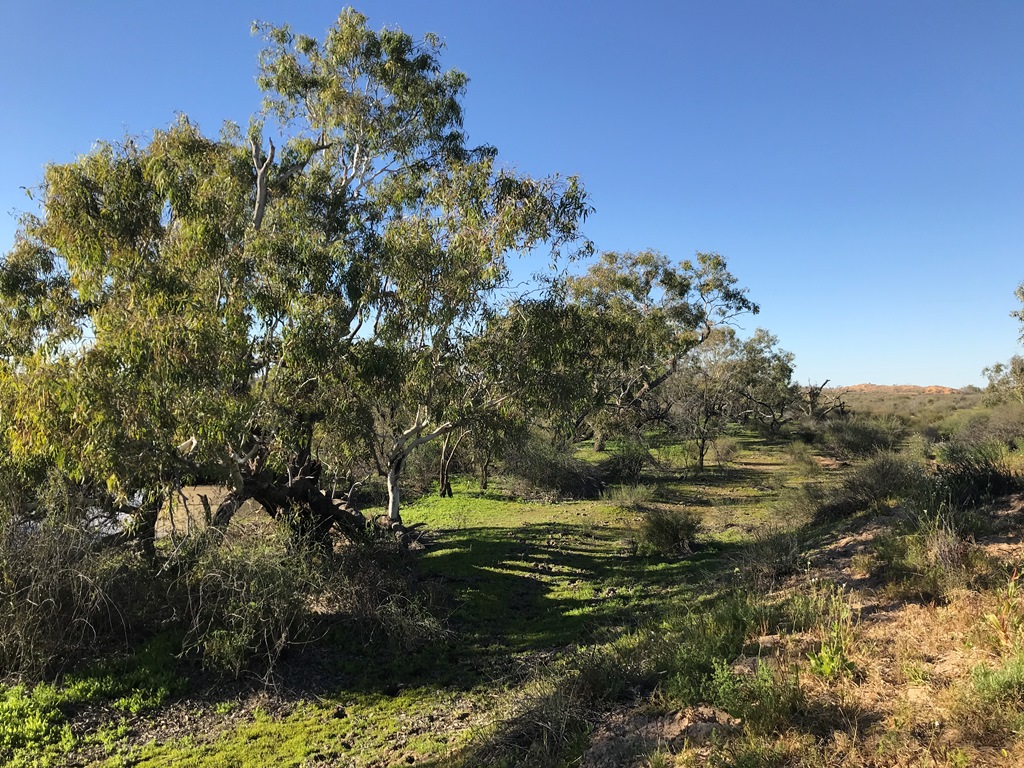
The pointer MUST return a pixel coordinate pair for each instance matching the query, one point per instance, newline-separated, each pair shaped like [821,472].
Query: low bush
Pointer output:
[630,498]
[802,455]
[992,707]
[774,554]
[62,597]
[726,450]
[930,557]
[668,531]
[244,597]
[971,475]
[626,463]
[552,470]
[885,480]
[863,435]
[247,598]
[765,700]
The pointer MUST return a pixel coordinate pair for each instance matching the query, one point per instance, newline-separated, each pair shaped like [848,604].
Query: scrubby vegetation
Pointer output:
[291,476]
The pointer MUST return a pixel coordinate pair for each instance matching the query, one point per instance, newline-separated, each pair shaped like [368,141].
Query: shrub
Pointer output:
[774,554]
[726,450]
[863,435]
[802,455]
[887,478]
[369,591]
[993,706]
[630,498]
[766,700]
[931,558]
[553,469]
[971,475]
[626,464]
[61,596]
[243,597]
[701,639]
[668,531]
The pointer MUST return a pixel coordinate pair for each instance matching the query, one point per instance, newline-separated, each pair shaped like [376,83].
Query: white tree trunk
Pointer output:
[394,494]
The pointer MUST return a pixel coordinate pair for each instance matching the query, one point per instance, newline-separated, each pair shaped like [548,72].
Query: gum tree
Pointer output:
[230,307]
[599,344]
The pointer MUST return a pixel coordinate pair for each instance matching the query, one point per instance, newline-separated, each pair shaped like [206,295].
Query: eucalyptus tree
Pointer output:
[261,312]
[1005,380]
[645,314]
[702,395]
[764,380]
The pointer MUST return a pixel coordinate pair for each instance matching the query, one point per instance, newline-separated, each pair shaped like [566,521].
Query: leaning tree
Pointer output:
[260,307]
[599,344]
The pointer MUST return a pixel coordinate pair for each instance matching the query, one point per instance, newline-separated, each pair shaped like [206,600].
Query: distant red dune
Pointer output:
[901,389]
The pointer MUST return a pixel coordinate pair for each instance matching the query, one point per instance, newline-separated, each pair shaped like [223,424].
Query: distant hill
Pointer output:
[901,389]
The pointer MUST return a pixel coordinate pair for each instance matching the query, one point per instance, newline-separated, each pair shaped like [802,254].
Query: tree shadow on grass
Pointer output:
[513,596]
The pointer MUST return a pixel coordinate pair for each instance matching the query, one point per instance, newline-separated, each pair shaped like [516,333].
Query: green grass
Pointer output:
[35,729]
[549,607]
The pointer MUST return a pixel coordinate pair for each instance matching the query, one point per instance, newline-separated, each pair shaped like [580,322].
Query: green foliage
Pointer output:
[931,556]
[669,531]
[863,435]
[885,480]
[971,475]
[34,730]
[774,554]
[194,307]
[835,622]
[32,725]
[552,469]
[993,706]
[630,498]
[766,700]
[626,464]
[701,640]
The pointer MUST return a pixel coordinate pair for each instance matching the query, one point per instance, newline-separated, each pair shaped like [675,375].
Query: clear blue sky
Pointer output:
[858,163]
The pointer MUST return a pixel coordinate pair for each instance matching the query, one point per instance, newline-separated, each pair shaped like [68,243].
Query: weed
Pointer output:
[630,498]
[994,704]
[1006,621]
[830,661]
[701,640]
[826,609]
[774,554]
[765,700]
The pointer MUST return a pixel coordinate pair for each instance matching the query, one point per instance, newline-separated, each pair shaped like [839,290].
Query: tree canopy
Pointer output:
[213,306]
